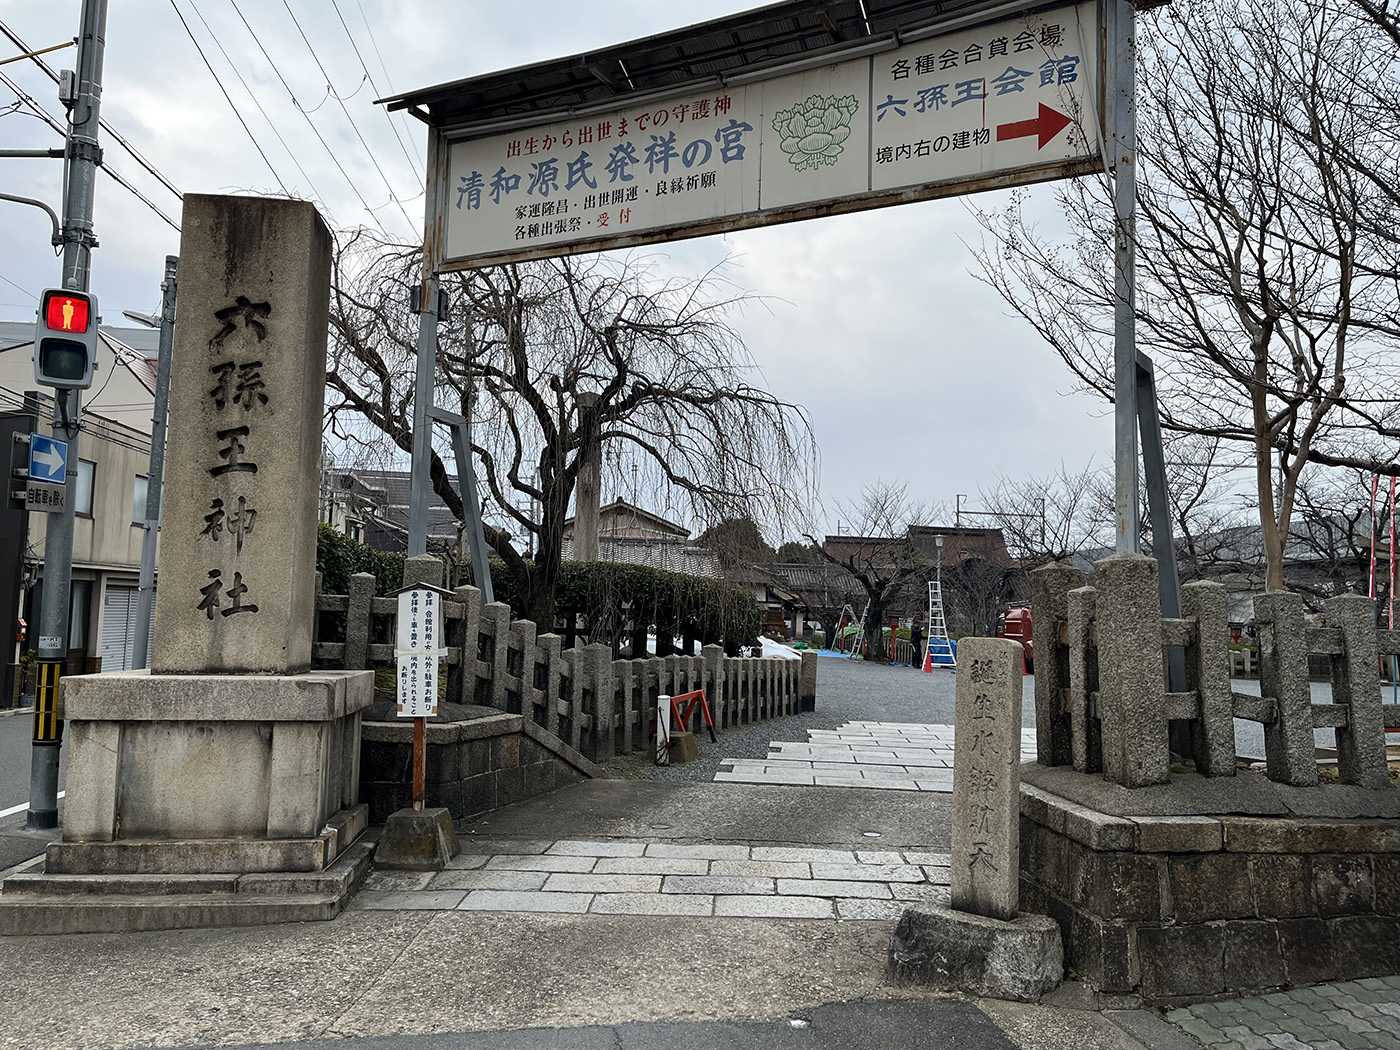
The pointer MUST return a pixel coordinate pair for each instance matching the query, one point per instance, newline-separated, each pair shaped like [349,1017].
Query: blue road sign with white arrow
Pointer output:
[48,459]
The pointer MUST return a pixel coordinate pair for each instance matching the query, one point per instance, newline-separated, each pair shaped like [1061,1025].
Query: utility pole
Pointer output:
[1122,145]
[83,156]
[154,480]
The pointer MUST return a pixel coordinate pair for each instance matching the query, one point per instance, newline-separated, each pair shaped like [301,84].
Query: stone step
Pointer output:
[23,914]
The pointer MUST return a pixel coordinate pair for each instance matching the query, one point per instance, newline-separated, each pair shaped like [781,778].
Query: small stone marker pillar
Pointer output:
[981,945]
[987,778]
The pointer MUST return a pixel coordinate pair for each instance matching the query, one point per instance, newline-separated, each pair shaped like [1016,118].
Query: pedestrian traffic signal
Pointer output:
[65,339]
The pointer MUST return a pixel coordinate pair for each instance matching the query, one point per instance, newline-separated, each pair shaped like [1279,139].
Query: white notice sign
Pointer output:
[417,650]
[1012,101]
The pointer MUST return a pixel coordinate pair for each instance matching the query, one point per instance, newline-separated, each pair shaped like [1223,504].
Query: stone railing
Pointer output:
[1104,703]
[597,705]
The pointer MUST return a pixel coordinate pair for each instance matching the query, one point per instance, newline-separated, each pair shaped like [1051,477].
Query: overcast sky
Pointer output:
[910,368]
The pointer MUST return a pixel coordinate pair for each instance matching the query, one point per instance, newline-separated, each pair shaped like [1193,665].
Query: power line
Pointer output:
[215,37]
[102,121]
[370,77]
[251,137]
[42,114]
[12,284]
[344,109]
[314,130]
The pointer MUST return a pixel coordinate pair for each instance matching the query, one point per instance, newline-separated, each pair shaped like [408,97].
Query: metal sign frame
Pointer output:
[1116,138]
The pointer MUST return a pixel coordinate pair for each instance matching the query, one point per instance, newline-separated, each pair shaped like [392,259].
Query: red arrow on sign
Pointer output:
[1047,125]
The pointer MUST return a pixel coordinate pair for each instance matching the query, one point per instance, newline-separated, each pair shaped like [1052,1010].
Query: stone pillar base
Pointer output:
[211,773]
[947,950]
[417,840]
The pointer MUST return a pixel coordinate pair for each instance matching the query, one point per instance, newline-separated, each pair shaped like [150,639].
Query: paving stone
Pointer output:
[570,848]
[879,857]
[1288,1041]
[919,891]
[797,779]
[945,787]
[938,860]
[939,876]
[489,880]
[511,900]
[568,882]
[1246,1039]
[469,861]
[772,869]
[1198,1029]
[408,900]
[860,908]
[653,904]
[797,853]
[513,862]
[869,872]
[716,884]
[701,851]
[774,907]
[651,866]
[832,888]
[396,880]
[473,846]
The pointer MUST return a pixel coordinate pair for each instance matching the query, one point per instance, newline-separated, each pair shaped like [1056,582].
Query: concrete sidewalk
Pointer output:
[559,980]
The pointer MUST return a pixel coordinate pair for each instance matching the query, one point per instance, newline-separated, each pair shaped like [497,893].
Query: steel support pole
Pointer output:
[83,158]
[147,596]
[420,476]
[1122,143]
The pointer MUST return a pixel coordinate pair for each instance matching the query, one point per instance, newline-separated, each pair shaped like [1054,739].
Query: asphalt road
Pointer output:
[16,844]
[929,1023]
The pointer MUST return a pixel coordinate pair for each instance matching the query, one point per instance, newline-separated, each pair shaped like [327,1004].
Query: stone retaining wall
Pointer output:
[472,766]
[1184,908]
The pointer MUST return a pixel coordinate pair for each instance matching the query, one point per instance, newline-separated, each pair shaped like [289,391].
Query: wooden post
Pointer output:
[420,761]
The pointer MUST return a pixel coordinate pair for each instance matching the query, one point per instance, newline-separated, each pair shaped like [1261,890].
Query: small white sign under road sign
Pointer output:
[45,496]
[420,628]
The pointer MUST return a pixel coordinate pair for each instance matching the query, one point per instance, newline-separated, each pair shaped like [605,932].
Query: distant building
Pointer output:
[107,485]
[629,535]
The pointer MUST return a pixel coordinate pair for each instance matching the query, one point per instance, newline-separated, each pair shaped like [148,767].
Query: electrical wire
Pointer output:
[42,114]
[419,169]
[102,121]
[12,284]
[368,76]
[215,37]
[346,110]
[251,137]
[311,123]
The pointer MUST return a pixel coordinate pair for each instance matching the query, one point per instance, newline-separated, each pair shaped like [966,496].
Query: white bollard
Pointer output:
[663,730]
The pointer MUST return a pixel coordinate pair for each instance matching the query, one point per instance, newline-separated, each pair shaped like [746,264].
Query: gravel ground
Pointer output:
[847,691]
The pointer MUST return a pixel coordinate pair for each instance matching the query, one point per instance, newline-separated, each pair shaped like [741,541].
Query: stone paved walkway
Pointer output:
[891,756]
[1352,1015]
[666,878]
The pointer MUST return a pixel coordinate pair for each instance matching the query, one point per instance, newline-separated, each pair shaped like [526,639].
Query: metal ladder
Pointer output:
[937,644]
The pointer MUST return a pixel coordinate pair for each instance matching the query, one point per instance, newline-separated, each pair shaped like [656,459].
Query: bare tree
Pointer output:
[1266,284]
[880,556]
[553,359]
[1050,518]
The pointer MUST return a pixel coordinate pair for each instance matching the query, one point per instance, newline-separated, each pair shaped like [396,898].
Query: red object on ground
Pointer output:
[1017,627]
[683,706]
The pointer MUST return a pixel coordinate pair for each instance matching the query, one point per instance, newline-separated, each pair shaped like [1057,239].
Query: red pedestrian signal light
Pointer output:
[65,312]
[65,339]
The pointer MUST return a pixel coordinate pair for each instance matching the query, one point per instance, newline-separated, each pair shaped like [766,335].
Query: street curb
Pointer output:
[11,712]
[1150,1031]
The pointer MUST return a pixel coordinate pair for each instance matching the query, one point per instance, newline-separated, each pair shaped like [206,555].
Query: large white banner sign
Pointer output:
[1019,96]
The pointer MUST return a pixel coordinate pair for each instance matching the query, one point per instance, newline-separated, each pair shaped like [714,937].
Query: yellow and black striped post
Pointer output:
[48,733]
[48,728]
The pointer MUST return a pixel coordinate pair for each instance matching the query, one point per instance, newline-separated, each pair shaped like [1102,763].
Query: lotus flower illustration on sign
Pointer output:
[813,130]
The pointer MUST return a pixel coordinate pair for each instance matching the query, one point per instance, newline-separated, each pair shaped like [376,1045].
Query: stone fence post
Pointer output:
[362,586]
[1132,677]
[1050,587]
[1361,751]
[1289,748]
[1208,669]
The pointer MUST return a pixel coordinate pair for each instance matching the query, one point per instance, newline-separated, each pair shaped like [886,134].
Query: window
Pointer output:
[79,609]
[82,488]
[138,500]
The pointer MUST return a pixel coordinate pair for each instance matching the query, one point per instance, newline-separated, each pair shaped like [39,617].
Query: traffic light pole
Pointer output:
[83,157]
